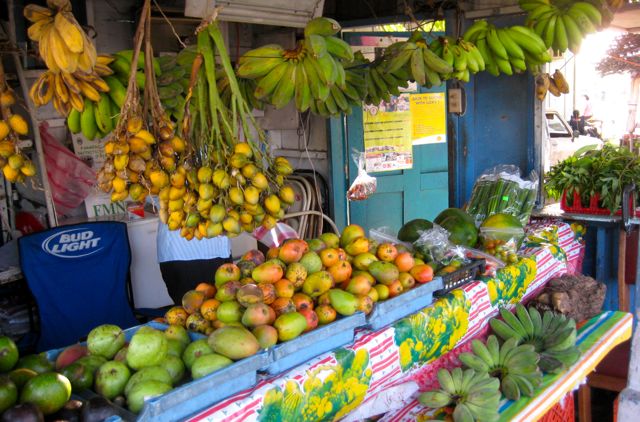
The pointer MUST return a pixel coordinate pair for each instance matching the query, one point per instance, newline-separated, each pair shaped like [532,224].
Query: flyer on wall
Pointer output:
[429,118]
[387,135]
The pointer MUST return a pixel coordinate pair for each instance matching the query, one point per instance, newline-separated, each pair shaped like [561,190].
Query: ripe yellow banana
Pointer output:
[70,32]
[560,81]
[542,85]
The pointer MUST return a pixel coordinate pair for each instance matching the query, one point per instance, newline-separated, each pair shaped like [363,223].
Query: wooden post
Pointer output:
[623,294]
[584,403]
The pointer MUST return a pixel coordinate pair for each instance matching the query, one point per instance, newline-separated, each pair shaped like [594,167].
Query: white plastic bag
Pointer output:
[364,185]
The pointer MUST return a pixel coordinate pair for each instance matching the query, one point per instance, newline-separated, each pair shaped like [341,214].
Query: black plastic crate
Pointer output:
[461,276]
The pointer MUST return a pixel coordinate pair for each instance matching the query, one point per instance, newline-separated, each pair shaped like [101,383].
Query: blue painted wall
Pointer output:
[497,127]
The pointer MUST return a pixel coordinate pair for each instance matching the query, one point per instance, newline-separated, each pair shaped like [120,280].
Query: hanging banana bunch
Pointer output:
[420,62]
[556,84]
[312,74]
[463,56]
[563,25]
[14,163]
[507,50]
[74,79]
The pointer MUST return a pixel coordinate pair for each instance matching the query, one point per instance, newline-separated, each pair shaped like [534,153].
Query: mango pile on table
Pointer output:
[300,285]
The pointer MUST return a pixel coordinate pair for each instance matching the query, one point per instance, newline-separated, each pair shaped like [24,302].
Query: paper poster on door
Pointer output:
[387,135]
[428,118]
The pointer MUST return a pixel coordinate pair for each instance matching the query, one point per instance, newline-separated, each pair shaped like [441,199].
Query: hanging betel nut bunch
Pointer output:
[73,80]
[132,168]
[14,163]
[225,185]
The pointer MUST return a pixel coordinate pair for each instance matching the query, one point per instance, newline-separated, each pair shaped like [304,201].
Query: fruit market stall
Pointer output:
[370,376]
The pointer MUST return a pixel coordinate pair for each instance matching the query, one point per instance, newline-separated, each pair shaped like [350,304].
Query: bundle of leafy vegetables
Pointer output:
[603,172]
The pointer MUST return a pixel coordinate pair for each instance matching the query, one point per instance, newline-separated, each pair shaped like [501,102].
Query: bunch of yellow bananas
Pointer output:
[563,24]
[463,56]
[64,46]
[15,165]
[507,50]
[423,65]
[305,74]
[556,84]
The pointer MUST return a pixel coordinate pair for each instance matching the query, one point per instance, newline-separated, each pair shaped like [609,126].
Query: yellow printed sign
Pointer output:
[428,118]
[387,135]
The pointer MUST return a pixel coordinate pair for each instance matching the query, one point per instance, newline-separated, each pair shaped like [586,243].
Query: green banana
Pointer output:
[73,121]
[482,352]
[589,10]
[527,39]
[560,40]
[103,114]
[511,319]
[303,90]
[583,22]
[462,413]
[326,69]
[435,63]
[509,388]
[478,27]
[322,26]
[525,319]
[331,105]
[456,376]
[121,66]
[319,90]
[495,45]
[550,30]
[487,56]
[269,82]
[284,92]
[317,45]
[339,48]
[435,399]
[88,125]
[339,98]
[503,330]
[257,68]
[504,66]
[512,48]
[474,362]
[574,36]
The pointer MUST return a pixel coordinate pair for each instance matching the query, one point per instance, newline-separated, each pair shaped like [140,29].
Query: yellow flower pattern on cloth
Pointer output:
[511,282]
[329,392]
[435,330]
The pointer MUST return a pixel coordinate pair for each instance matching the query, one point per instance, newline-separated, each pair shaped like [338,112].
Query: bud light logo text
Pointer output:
[73,243]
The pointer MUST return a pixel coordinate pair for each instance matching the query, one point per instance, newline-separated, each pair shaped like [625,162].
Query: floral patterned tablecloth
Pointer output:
[382,370]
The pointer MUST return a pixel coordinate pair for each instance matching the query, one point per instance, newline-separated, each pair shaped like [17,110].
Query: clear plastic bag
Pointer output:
[364,185]
[435,248]
[502,243]
[501,190]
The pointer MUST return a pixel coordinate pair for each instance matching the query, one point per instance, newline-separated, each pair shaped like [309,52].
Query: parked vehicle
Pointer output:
[562,141]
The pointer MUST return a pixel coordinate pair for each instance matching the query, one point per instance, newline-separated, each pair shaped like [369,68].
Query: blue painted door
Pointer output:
[403,195]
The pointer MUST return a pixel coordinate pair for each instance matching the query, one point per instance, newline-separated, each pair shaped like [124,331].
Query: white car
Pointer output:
[562,142]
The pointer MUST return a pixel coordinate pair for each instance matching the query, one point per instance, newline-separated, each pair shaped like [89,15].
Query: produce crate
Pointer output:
[407,303]
[292,353]
[461,276]
[192,396]
[592,208]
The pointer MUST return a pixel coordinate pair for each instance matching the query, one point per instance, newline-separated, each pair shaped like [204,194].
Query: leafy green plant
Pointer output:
[603,172]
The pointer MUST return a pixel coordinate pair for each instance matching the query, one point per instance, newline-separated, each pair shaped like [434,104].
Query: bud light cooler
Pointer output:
[78,275]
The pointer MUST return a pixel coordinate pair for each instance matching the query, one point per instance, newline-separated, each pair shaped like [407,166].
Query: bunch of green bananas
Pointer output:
[514,365]
[552,335]
[97,119]
[564,24]
[305,74]
[507,50]
[475,395]
[463,56]
[381,84]
[424,66]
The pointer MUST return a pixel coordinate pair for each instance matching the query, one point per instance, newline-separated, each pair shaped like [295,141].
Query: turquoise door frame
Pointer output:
[419,192]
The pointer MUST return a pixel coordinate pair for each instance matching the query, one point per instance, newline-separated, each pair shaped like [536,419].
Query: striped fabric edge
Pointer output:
[594,346]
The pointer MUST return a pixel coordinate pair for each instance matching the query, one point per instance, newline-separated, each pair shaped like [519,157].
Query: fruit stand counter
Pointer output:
[373,375]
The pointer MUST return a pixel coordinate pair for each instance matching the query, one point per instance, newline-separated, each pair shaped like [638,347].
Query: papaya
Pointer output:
[503,227]
[460,225]
[410,231]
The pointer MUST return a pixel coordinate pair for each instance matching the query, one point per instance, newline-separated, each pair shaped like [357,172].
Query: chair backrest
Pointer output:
[79,276]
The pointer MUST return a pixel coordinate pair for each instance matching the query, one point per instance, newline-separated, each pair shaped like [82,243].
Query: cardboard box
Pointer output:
[99,204]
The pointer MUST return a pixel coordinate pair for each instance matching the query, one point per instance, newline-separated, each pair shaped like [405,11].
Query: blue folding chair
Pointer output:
[79,276]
